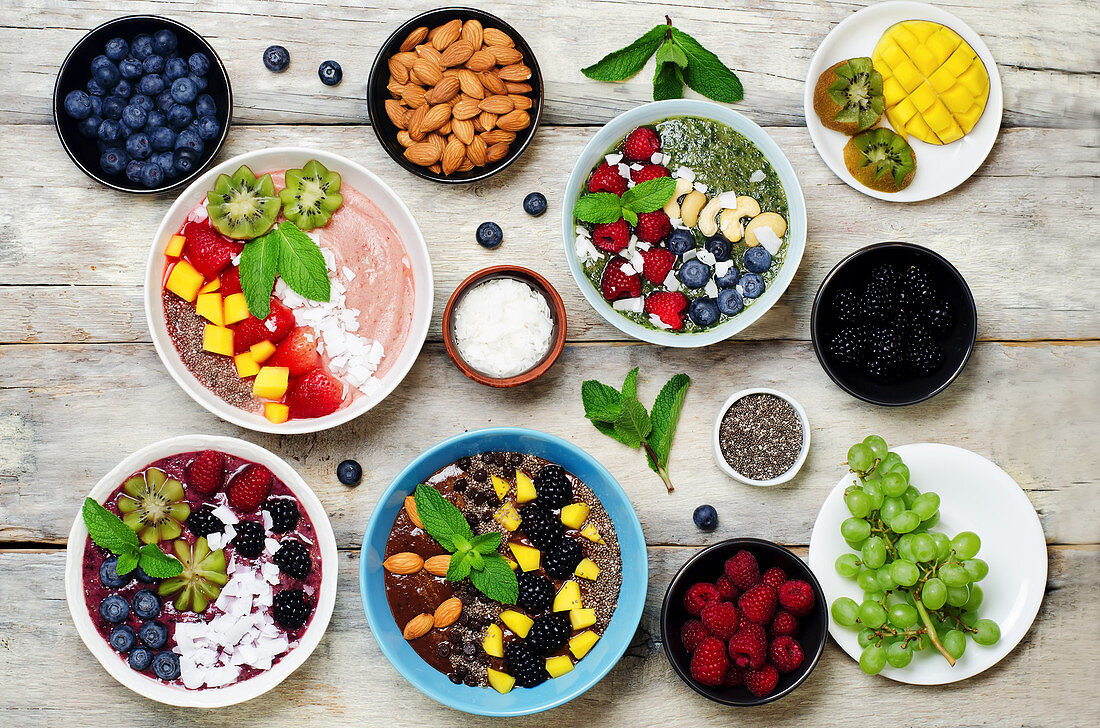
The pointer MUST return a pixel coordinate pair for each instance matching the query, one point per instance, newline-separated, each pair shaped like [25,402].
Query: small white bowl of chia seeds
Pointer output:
[761,437]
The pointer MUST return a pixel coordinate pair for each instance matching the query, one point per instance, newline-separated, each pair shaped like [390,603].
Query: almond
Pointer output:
[405,562]
[445,34]
[517,88]
[466,165]
[463,129]
[475,150]
[469,83]
[398,71]
[514,121]
[457,53]
[472,31]
[395,89]
[443,91]
[428,71]
[415,37]
[497,136]
[520,101]
[418,626]
[416,118]
[406,58]
[445,130]
[505,55]
[396,111]
[453,154]
[496,153]
[436,117]
[496,104]
[437,141]
[414,516]
[491,81]
[478,128]
[488,120]
[447,613]
[516,72]
[422,154]
[481,60]
[466,109]
[428,53]
[404,139]
[438,565]
[413,95]
[435,169]
[494,37]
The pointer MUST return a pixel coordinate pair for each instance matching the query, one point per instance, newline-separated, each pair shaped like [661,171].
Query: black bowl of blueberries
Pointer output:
[142,104]
[893,324]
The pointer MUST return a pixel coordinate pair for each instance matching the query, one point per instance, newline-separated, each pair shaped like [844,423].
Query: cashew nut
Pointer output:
[771,220]
[708,223]
[692,204]
[730,220]
[672,207]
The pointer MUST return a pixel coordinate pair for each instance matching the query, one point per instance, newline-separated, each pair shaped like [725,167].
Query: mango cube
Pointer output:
[236,308]
[525,487]
[502,682]
[568,597]
[518,622]
[493,641]
[581,618]
[558,666]
[528,557]
[211,286]
[262,351]
[276,412]
[574,515]
[209,306]
[580,644]
[587,569]
[501,486]
[247,367]
[511,564]
[592,533]
[270,382]
[507,516]
[184,281]
[174,249]
[217,340]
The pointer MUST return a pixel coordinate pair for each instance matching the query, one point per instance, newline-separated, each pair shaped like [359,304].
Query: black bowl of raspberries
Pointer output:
[893,324]
[743,622]
[142,104]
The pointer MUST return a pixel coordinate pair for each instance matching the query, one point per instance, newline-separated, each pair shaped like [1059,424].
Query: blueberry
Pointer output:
[730,301]
[205,106]
[97,104]
[757,259]
[142,101]
[107,75]
[694,273]
[276,58]
[146,604]
[141,47]
[729,278]
[117,49]
[112,107]
[185,161]
[142,576]
[94,88]
[349,472]
[90,127]
[134,116]
[534,204]
[153,64]
[167,163]
[489,235]
[175,68]
[184,90]
[199,81]
[180,116]
[155,118]
[703,311]
[133,170]
[152,175]
[199,63]
[130,68]
[188,139]
[153,635]
[114,608]
[78,104]
[719,247]
[151,84]
[113,161]
[208,128]
[706,517]
[752,285]
[164,41]
[109,576]
[162,139]
[122,638]
[166,665]
[138,146]
[141,658]
[109,131]
[98,62]
[330,73]
[164,101]
[123,89]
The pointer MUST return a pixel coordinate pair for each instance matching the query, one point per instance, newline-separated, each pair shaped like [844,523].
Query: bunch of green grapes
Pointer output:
[920,588]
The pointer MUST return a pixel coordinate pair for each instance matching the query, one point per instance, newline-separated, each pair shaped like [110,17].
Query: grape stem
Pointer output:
[935,638]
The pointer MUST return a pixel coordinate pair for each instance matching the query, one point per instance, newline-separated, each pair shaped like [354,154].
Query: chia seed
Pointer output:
[760,436]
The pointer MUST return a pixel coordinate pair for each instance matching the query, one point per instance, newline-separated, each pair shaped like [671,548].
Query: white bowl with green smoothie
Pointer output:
[734,229]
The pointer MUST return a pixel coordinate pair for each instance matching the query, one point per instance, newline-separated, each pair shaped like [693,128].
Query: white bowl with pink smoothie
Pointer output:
[379,269]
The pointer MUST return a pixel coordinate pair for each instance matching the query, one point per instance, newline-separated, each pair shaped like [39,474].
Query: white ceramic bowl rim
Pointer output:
[619,127]
[802,453]
[208,697]
[354,175]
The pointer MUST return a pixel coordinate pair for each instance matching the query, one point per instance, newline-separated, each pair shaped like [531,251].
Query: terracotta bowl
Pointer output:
[557,314]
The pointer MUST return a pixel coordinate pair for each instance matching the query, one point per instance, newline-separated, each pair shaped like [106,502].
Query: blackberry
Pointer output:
[542,527]
[561,559]
[292,558]
[940,317]
[203,522]
[249,539]
[923,356]
[918,287]
[886,274]
[290,608]
[524,665]
[877,303]
[536,592]
[848,345]
[846,306]
[549,633]
[284,514]
[885,360]
[553,487]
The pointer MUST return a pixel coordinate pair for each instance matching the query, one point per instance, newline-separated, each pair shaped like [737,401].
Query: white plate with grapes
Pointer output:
[945,539]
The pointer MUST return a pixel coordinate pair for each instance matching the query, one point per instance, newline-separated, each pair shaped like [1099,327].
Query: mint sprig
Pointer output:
[109,532]
[475,557]
[619,415]
[605,207]
[288,252]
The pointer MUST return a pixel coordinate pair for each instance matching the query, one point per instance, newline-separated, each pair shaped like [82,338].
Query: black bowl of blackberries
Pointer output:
[142,104]
[893,324]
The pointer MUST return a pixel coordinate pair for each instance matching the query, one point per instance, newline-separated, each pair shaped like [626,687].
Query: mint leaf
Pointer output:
[107,530]
[669,52]
[300,263]
[441,518]
[486,543]
[459,567]
[631,217]
[665,417]
[668,82]
[127,562]
[259,262]
[630,384]
[633,423]
[706,73]
[649,195]
[622,64]
[599,208]
[158,564]
[601,402]
[496,580]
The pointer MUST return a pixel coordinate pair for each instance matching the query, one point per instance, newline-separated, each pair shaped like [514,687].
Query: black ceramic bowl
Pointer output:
[75,72]
[707,565]
[379,79]
[957,344]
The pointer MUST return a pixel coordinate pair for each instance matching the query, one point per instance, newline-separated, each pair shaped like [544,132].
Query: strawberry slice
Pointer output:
[206,473]
[297,352]
[231,282]
[207,249]
[274,328]
[616,284]
[315,394]
[248,488]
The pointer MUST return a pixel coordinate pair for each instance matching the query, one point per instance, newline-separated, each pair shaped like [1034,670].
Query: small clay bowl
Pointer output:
[557,314]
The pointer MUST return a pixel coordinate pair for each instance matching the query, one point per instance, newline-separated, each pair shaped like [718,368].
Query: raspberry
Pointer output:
[553,487]
[749,646]
[607,179]
[611,237]
[284,514]
[249,539]
[774,576]
[784,623]
[292,558]
[761,682]
[290,608]
[524,665]
[727,589]
[652,227]
[648,172]
[699,596]
[720,619]
[549,633]
[536,592]
[785,653]
[542,528]
[709,663]
[658,263]
[206,473]
[758,603]
[668,306]
[796,596]
[734,676]
[616,284]
[692,634]
[561,559]
[641,144]
[248,488]
[742,569]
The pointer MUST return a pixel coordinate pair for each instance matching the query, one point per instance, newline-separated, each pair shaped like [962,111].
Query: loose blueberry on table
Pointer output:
[276,58]
[330,73]
[489,235]
[534,204]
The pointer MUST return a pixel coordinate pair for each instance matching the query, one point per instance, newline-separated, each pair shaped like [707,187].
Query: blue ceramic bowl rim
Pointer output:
[619,127]
[588,671]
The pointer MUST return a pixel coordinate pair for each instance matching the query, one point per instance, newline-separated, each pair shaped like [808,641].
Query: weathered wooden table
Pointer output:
[80,384]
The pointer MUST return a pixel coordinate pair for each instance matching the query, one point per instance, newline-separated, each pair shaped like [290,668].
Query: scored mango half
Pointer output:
[935,85]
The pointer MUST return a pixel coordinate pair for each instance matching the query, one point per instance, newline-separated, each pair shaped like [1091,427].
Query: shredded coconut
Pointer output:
[502,327]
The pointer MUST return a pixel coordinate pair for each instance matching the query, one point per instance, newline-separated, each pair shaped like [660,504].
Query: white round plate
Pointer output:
[975,495]
[940,169]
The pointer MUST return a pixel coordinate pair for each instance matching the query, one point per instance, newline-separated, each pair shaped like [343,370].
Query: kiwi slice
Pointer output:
[848,96]
[311,195]
[201,580]
[243,207]
[154,506]
[881,160]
